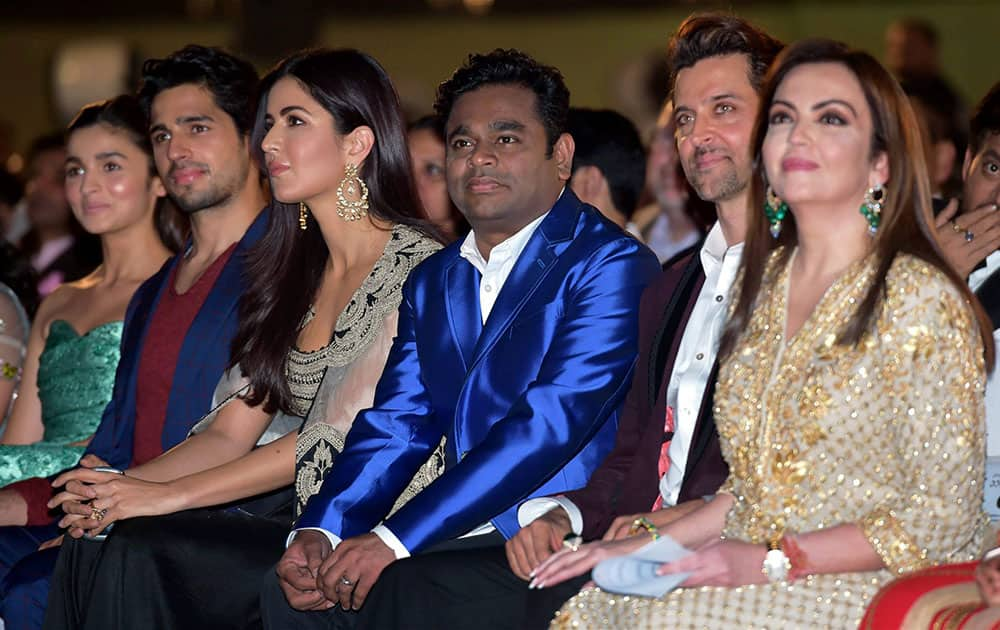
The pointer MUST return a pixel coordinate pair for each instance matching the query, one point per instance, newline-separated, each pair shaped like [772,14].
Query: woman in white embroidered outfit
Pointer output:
[850,393]
[14,327]
[316,326]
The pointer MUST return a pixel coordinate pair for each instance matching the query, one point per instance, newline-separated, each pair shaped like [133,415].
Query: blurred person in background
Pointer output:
[677,218]
[425,138]
[18,298]
[59,249]
[609,164]
[11,193]
[18,301]
[944,141]
[913,55]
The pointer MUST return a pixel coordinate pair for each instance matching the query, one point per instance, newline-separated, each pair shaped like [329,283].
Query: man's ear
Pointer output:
[966,165]
[562,153]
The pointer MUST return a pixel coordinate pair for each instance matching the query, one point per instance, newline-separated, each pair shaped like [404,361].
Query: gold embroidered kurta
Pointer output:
[888,434]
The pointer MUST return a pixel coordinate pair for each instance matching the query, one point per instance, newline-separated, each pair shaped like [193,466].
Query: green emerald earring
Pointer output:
[775,209]
[871,209]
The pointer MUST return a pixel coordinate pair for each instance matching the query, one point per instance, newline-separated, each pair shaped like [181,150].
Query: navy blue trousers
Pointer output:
[24,575]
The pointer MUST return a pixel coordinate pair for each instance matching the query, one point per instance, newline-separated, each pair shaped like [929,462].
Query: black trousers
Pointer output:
[448,590]
[190,570]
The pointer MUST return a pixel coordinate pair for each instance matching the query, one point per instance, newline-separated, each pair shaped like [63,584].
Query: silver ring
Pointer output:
[969,236]
[345,581]
[572,542]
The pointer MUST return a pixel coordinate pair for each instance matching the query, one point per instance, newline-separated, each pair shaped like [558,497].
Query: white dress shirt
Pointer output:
[978,276]
[689,377]
[976,279]
[501,262]
[495,270]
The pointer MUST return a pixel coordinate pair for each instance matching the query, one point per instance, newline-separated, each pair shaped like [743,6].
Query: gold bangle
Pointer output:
[644,523]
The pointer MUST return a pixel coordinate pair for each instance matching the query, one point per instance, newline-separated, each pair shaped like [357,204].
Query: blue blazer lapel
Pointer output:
[206,345]
[462,302]
[545,245]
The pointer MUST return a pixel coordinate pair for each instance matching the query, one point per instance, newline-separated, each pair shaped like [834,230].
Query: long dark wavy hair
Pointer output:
[285,267]
[124,114]
[906,214]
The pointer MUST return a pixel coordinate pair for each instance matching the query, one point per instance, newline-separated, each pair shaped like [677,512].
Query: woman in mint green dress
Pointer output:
[73,347]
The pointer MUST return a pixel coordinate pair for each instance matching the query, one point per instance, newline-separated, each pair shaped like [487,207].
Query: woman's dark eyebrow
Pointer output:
[835,101]
[291,108]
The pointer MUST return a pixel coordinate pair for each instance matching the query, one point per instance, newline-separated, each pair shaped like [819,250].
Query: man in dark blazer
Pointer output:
[667,450]
[179,324]
[515,344]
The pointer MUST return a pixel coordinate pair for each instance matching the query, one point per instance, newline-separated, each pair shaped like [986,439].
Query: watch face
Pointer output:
[776,565]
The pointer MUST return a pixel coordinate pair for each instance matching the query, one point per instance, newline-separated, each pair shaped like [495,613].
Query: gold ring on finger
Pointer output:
[956,228]
[98,514]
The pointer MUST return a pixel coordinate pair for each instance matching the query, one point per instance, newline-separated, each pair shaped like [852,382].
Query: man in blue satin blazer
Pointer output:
[517,345]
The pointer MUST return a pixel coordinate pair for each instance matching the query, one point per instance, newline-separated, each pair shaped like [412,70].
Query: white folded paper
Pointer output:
[635,574]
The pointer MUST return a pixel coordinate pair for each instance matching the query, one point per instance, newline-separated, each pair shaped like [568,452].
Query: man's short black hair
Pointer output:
[610,142]
[231,80]
[706,35]
[511,67]
[985,120]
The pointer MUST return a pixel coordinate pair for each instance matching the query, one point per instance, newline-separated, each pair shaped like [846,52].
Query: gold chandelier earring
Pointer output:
[303,215]
[348,209]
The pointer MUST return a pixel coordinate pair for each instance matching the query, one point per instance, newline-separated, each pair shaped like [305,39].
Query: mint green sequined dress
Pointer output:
[76,374]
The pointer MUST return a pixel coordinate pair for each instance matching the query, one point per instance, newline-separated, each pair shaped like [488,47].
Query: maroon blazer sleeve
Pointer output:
[633,460]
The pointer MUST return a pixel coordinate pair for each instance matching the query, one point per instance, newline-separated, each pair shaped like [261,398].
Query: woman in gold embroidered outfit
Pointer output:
[850,395]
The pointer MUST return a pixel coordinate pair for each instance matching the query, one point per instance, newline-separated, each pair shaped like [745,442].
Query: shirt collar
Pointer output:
[509,248]
[993,262]
[715,250]
[979,276]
